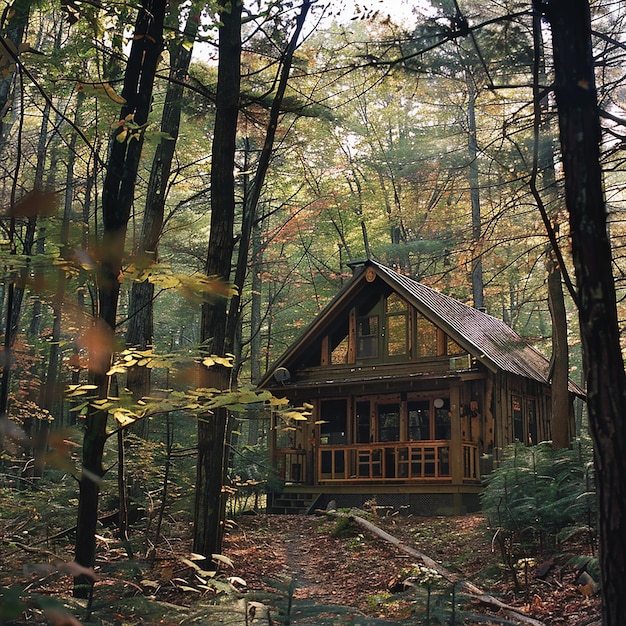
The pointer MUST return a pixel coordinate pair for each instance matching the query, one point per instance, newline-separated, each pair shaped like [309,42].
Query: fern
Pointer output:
[541,495]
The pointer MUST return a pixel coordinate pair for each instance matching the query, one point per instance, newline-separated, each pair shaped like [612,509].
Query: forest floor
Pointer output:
[328,563]
[298,570]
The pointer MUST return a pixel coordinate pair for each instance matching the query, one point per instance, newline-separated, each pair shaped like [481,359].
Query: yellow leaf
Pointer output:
[101,90]
[222,559]
[278,401]
[123,418]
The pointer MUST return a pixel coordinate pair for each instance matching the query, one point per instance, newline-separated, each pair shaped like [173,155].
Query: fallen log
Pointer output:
[451,577]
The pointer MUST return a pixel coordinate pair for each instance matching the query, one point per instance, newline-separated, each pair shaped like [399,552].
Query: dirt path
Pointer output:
[354,572]
[322,567]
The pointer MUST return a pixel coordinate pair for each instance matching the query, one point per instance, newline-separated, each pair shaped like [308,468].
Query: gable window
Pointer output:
[339,352]
[453,348]
[367,336]
[397,332]
[427,343]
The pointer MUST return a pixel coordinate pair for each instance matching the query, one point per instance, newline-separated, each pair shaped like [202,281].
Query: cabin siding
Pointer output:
[420,414]
[481,411]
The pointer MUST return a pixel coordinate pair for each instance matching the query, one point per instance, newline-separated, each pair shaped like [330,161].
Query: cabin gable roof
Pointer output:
[486,338]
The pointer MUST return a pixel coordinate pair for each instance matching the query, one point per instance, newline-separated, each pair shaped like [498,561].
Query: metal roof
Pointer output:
[486,338]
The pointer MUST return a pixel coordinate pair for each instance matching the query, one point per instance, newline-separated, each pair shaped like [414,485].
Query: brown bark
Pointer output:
[16,289]
[252,199]
[560,418]
[141,328]
[219,327]
[606,381]
[543,169]
[472,146]
[211,465]
[16,15]
[117,197]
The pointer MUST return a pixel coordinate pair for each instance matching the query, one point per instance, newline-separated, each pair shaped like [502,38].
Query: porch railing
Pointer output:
[398,461]
[377,462]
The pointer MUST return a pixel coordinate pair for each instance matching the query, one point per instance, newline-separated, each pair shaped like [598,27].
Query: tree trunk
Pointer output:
[117,197]
[140,328]
[211,467]
[218,325]
[256,322]
[560,418]
[16,292]
[18,13]
[252,199]
[606,381]
[472,146]
[15,296]
[543,167]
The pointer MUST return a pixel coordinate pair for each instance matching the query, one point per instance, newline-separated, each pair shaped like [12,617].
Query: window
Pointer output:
[419,420]
[429,419]
[334,416]
[426,337]
[453,348]
[389,422]
[531,414]
[518,423]
[397,325]
[443,427]
[367,336]
[363,428]
[339,353]
[524,413]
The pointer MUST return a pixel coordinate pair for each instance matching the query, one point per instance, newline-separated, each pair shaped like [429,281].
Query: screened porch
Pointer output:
[423,461]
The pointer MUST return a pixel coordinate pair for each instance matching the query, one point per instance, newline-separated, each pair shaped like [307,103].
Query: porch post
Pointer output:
[272,438]
[456,450]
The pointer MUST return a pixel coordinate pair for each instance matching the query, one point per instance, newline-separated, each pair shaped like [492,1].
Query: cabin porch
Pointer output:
[380,463]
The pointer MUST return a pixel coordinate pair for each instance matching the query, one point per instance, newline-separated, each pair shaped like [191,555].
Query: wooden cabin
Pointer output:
[413,396]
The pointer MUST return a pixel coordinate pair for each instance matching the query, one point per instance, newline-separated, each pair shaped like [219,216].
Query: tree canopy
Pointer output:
[185,185]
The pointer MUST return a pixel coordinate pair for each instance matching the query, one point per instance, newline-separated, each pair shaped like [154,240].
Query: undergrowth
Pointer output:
[539,498]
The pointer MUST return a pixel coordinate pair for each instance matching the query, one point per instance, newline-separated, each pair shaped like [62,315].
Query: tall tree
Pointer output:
[141,325]
[253,197]
[210,467]
[474,189]
[14,21]
[579,127]
[221,328]
[544,149]
[117,197]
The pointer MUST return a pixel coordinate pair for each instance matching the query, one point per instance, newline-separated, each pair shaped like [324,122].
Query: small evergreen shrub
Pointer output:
[538,495]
